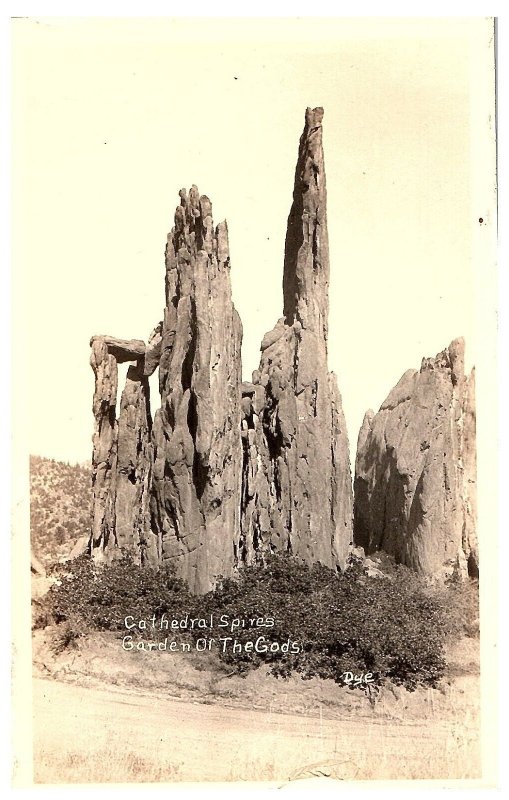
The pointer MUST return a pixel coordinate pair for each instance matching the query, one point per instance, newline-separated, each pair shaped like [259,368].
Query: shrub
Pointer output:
[68,634]
[392,626]
[102,596]
[343,622]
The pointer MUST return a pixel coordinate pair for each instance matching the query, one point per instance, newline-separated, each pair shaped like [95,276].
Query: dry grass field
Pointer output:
[105,715]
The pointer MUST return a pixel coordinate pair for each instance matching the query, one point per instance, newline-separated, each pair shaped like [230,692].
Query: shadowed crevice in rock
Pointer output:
[104,454]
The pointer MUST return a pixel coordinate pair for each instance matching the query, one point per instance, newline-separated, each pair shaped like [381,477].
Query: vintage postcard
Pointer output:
[254,276]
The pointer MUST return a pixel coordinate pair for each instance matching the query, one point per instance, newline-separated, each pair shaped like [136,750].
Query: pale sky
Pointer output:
[113,117]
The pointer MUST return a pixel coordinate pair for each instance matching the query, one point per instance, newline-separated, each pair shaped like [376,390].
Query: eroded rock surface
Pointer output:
[297,495]
[134,469]
[197,450]
[122,451]
[415,471]
[226,471]
[104,454]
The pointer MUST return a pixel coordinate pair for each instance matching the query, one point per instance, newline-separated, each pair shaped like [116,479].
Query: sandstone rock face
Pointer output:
[122,451]
[170,490]
[104,455]
[134,468]
[296,494]
[415,471]
[197,449]
[226,471]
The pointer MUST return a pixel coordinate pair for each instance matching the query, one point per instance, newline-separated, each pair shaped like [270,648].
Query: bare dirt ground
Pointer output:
[102,714]
[85,734]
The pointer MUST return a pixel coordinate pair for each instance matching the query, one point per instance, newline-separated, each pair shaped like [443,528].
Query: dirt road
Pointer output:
[89,734]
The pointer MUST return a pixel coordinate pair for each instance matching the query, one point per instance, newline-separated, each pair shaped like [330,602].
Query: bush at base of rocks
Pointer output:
[392,626]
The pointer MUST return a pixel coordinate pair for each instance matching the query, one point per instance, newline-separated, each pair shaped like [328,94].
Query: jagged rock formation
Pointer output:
[227,471]
[415,471]
[296,474]
[104,455]
[197,451]
[171,490]
[134,465]
[121,458]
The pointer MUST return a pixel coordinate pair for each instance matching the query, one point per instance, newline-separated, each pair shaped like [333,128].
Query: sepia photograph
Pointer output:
[254,280]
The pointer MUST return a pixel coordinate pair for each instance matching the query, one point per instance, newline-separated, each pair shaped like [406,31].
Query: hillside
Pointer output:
[60,501]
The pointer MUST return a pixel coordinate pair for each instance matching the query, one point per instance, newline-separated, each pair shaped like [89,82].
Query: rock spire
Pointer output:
[297,495]
[195,504]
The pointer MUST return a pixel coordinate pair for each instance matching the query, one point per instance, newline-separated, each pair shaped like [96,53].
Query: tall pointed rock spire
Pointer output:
[306,266]
[297,494]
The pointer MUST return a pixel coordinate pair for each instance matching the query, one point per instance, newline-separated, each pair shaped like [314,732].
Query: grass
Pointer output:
[106,715]
[265,750]
[102,766]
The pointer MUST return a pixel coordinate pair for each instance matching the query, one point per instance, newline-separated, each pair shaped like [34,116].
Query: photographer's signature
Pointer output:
[364,681]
